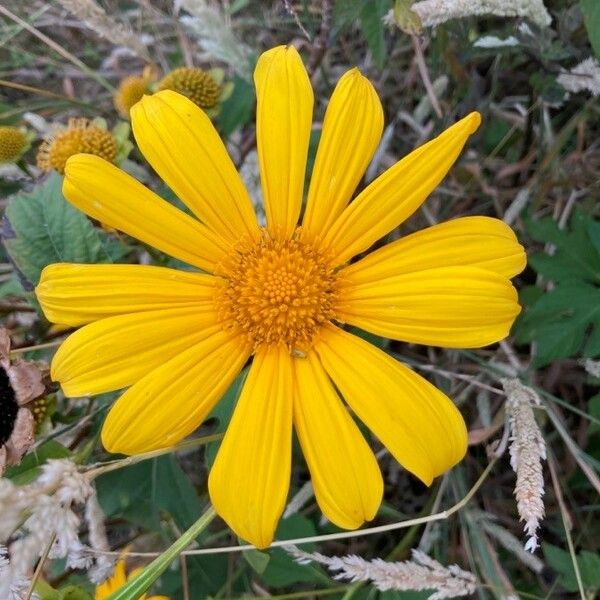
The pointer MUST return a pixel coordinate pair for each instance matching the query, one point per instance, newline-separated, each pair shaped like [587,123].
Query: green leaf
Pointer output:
[575,255]
[591,18]
[282,569]
[257,560]
[559,321]
[72,592]
[237,110]
[562,563]
[594,411]
[139,493]
[140,584]
[40,227]
[29,468]
[371,22]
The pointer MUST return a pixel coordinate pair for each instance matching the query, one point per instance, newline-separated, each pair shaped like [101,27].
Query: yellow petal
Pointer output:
[114,353]
[172,400]
[75,294]
[471,241]
[454,307]
[398,192]
[351,131]
[109,195]
[113,583]
[180,142]
[250,478]
[283,121]
[416,422]
[344,472]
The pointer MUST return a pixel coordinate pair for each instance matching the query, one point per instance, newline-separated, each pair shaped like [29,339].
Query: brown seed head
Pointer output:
[198,85]
[13,143]
[80,136]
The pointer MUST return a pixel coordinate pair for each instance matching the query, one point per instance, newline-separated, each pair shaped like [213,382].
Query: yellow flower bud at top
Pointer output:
[80,136]
[132,88]
[13,143]
[198,85]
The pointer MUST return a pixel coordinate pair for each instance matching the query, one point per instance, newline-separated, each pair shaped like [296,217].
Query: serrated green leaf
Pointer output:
[40,227]
[574,255]
[559,321]
[591,18]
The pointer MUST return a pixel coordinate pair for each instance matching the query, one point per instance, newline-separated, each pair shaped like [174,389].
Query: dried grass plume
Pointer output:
[527,450]
[420,573]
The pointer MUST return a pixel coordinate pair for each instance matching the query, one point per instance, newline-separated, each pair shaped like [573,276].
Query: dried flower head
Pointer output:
[80,136]
[585,77]
[435,12]
[527,450]
[13,144]
[20,383]
[198,85]
[131,89]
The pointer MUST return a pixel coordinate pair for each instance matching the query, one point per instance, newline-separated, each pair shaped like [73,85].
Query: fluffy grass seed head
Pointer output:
[14,143]
[527,450]
[200,86]
[80,136]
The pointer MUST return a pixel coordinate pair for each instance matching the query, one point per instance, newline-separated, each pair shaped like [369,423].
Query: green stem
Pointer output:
[134,588]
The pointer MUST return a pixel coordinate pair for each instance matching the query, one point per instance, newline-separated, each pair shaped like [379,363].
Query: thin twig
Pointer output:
[424,73]
[40,566]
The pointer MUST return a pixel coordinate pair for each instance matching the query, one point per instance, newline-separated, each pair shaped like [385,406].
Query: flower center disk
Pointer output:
[277,292]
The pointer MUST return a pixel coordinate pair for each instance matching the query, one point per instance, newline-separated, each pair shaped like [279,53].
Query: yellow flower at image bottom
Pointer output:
[117,581]
[279,296]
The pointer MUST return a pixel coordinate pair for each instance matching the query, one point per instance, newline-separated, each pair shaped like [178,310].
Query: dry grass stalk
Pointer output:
[435,12]
[95,17]
[527,450]
[420,573]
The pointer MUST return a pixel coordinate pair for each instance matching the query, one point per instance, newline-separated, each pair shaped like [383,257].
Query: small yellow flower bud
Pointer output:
[13,143]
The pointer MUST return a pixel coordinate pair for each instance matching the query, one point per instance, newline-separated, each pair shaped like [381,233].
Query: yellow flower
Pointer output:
[14,142]
[280,296]
[80,135]
[117,581]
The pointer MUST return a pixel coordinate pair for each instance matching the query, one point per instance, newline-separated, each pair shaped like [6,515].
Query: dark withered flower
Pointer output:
[20,383]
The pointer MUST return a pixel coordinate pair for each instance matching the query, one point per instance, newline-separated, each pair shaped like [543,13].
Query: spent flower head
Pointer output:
[79,136]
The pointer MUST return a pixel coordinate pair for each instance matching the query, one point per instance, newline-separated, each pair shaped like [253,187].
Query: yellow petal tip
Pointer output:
[473,120]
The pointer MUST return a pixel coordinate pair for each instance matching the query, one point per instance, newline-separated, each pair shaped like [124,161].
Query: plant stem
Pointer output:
[134,588]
